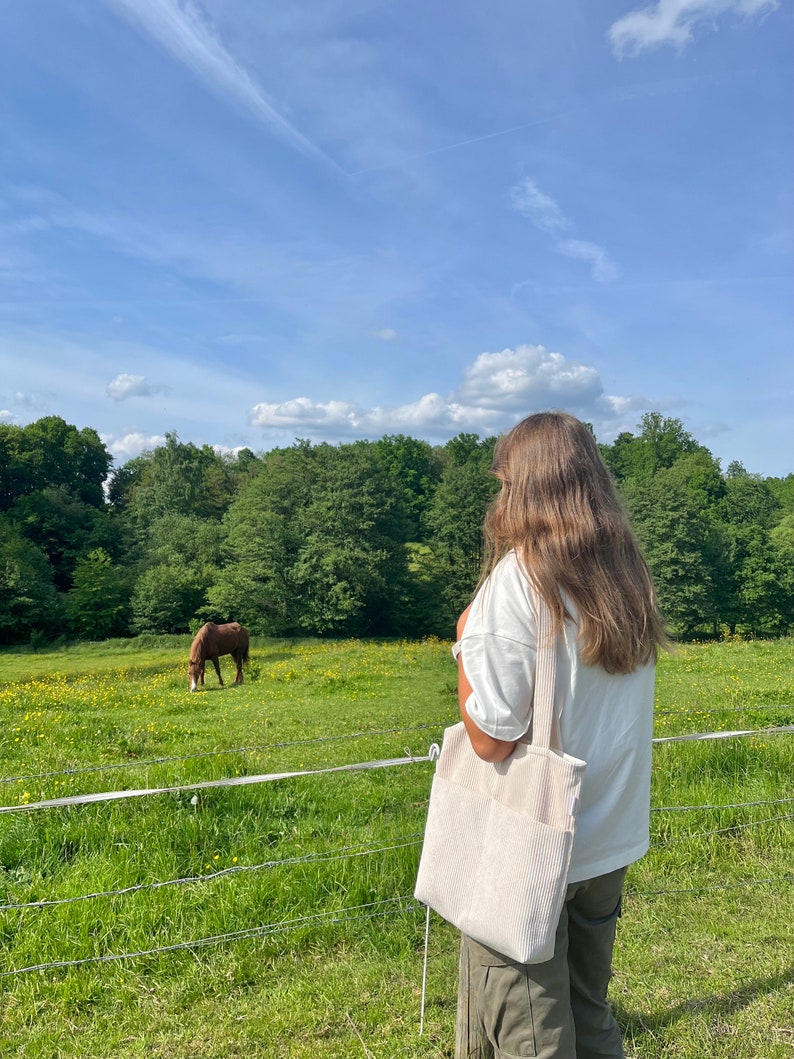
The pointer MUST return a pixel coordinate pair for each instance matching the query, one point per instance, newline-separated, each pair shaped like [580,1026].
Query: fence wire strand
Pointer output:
[255,749]
[730,805]
[720,831]
[319,918]
[239,781]
[344,853]
[264,747]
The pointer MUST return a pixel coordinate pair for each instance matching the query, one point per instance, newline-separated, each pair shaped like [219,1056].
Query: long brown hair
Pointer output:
[559,509]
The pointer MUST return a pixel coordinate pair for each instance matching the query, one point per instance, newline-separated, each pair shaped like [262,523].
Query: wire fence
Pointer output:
[259,748]
[366,850]
[269,777]
[401,905]
[264,748]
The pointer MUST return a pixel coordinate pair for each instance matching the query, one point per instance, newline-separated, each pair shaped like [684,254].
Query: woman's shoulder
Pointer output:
[510,574]
[507,591]
[508,567]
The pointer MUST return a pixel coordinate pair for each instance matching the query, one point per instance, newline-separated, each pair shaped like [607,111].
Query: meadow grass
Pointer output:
[309,879]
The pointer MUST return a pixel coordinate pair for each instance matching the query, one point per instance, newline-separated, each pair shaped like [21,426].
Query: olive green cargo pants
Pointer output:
[552,1010]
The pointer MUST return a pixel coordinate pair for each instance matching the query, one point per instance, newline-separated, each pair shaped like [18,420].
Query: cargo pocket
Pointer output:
[500,988]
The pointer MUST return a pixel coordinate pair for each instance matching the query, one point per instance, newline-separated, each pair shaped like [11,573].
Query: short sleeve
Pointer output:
[498,653]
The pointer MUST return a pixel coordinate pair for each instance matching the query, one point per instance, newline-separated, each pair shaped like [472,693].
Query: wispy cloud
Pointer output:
[545,214]
[124,386]
[183,30]
[385,334]
[601,266]
[457,144]
[241,338]
[497,389]
[673,22]
[538,207]
[33,402]
[358,286]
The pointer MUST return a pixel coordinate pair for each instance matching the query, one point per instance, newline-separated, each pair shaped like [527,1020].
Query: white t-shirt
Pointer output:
[605,719]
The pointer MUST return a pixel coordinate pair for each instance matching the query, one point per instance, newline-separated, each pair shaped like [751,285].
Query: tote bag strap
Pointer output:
[545,727]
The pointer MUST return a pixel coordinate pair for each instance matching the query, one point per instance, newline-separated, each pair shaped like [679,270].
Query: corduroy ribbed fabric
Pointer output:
[499,835]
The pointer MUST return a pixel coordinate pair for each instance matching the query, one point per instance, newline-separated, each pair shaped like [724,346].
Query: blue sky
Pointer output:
[250,222]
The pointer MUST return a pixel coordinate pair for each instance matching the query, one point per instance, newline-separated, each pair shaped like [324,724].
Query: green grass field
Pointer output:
[300,889]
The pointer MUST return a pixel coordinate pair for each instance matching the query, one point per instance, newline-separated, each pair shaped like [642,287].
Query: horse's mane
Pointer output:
[196,652]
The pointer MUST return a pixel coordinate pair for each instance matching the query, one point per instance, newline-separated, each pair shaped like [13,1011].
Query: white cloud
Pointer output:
[545,214]
[672,22]
[6,416]
[184,31]
[385,334]
[300,411]
[229,450]
[431,415]
[497,390]
[124,386]
[620,406]
[714,430]
[329,67]
[129,445]
[528,375]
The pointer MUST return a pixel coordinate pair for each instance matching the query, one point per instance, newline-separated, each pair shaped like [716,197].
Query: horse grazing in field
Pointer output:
[213,640]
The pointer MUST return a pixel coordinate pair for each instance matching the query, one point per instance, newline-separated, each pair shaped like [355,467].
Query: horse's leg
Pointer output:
[201,675]
[216,663]
[238,657]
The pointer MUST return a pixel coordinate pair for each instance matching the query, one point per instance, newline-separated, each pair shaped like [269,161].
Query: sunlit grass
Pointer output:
[699,971]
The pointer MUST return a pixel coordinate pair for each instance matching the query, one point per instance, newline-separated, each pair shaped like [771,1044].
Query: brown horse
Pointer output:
[212,640]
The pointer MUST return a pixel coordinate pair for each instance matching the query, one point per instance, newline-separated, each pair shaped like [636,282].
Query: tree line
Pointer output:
[369,538]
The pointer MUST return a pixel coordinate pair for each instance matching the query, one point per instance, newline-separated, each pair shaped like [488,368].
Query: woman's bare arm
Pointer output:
[484,745]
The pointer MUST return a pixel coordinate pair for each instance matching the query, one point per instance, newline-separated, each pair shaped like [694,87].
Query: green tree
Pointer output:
[10,487]
[749,500]
[52,488]
[749,510]
[762,582]
[64,527]
[783,491]
[697,478]
[173,479]
[352,563]
[51,452]
[165,599]
[781,538]
[182,557]
[316,544]
[28,599]
[455,520]
[677,540]
[98,603]
[660,443]
[263,537]
[417,467]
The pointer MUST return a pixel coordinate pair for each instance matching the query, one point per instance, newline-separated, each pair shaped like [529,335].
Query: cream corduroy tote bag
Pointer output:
[498,836]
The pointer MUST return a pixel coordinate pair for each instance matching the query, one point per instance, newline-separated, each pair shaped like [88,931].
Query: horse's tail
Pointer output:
[244,647]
